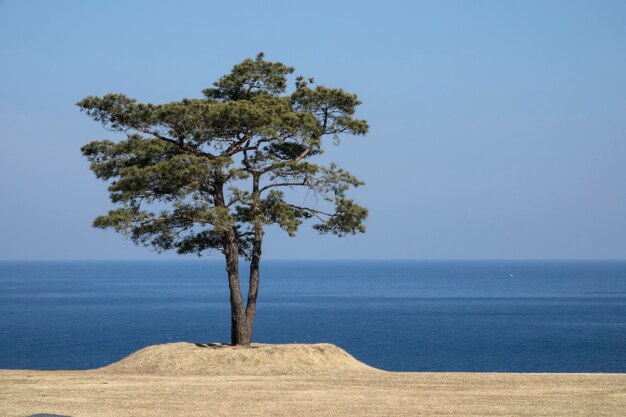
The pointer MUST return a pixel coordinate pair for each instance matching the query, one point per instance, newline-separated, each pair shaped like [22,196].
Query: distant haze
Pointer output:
[498,129]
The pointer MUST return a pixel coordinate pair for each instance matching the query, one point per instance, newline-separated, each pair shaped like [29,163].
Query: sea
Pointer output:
[459,316]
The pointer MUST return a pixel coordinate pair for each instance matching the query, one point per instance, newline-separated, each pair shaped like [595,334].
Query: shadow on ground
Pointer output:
[47,415]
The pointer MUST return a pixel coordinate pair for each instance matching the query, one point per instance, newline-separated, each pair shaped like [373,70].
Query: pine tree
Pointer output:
[212,173]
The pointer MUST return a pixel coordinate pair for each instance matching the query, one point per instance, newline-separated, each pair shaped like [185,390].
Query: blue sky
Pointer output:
[498,128]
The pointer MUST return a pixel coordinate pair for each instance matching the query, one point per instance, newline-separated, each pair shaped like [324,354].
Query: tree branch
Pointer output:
[180,143]
[284,184]
[303,154]
[313,211]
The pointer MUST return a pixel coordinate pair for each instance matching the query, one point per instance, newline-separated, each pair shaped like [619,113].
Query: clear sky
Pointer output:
[498,128]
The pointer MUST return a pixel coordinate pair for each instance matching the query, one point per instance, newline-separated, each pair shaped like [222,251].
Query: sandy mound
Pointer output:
[218,359]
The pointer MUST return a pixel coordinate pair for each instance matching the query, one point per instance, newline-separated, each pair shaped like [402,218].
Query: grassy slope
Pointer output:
[348,391]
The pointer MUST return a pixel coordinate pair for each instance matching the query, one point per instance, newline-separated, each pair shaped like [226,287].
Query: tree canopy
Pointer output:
[192,172]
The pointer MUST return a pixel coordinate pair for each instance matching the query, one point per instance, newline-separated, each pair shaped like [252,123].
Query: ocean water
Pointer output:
[503,316]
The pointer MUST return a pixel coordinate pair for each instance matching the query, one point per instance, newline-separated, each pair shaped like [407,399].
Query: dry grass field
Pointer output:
[185,379]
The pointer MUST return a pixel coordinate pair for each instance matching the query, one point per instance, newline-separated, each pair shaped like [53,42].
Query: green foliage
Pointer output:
[191,171]
[250,78]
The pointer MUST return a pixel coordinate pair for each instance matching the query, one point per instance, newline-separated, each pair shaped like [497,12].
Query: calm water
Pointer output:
[405,316]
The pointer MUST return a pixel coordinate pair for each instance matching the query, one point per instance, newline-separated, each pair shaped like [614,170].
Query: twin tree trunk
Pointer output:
[242,317]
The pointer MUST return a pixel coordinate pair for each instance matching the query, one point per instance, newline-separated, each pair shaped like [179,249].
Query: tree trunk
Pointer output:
[241,327]
[242,319]
[241,330]
[253,289]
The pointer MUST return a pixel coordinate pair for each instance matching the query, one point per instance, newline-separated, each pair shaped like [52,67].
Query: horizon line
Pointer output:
[215,259]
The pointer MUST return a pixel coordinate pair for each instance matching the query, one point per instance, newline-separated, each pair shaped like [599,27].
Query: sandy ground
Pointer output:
[348,392]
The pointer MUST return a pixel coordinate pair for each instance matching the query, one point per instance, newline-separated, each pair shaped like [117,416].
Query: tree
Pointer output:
[212,173]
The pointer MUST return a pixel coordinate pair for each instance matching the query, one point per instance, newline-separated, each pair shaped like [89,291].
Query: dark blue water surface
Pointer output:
[404,316]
